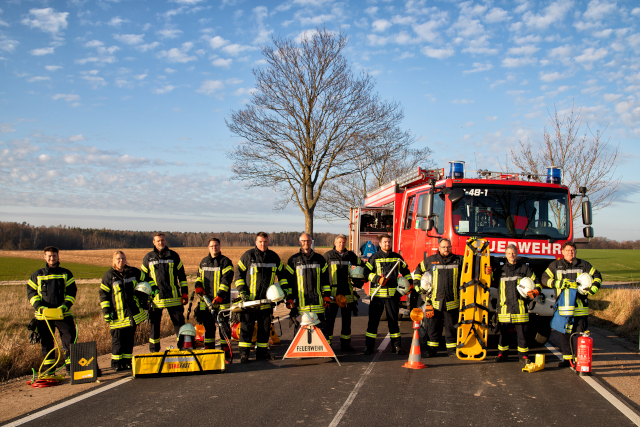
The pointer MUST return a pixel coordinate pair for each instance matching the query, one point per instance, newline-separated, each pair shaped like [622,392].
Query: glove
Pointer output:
[243,296]
[64,308]
[290,304]
[488,269]
[185,299]
[326,302]
[428,311]
[383,281]
[533,293]
[566,284]
[199,290]
[217,300]
[108,318]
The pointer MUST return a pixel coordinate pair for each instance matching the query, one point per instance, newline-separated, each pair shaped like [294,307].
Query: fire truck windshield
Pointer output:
[512,211]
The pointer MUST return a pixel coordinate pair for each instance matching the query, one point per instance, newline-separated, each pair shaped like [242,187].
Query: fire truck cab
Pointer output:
[423,206]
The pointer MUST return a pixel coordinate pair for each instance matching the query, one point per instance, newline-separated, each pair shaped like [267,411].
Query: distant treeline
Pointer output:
[15,236]
[604,243]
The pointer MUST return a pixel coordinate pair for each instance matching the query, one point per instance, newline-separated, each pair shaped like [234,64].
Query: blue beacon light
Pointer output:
[554,175]
[456,169]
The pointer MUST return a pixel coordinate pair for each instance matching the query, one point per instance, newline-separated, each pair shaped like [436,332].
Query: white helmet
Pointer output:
[426,282]
[584,282]
[309,318]
[275,293]
[356,272]
[403,286]
[525,285]
[187,329]
[143,287]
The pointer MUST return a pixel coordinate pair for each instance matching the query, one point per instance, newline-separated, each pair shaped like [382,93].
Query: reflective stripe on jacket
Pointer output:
[308,281]
[215,275]
[379,265]
[118,298]
[446,280]
[52,287]
[512,307]
[339,268]
[165,270]
[554,277]
[256,271]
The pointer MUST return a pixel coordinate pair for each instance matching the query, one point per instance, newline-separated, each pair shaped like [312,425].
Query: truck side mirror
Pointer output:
[426,225]
[427,206]
[586,213]
[588,232]
[456,195]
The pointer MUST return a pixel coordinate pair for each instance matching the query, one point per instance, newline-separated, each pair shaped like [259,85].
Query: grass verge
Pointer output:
[617,310]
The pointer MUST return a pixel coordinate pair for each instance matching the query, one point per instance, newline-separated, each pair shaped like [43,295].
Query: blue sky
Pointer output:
[112,112]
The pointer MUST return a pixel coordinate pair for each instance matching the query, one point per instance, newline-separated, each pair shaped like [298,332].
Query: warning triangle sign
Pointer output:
[309,342]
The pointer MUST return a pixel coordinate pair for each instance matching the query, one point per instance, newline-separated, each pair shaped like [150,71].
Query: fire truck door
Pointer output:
[408,233]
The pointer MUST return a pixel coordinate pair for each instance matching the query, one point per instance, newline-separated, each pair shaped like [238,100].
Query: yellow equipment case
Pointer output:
[178,362]
[473,322]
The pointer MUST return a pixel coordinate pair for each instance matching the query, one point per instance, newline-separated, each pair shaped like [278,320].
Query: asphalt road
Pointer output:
[365,390]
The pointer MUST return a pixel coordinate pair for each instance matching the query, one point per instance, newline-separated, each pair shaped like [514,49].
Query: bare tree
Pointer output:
[386,162]
[586,160]
[310,113]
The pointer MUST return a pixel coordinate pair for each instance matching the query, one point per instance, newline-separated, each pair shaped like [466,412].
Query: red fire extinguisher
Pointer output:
[584,354]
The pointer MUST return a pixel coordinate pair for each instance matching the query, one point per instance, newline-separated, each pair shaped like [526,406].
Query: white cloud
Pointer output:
[169,33]
[220,62]
[598,9]
[46,20]
[636,11]
[76,138]
[496,15]
[140,76]
[528,39]
[209,87]
[427,30]
[526,50]
[371,10]
[187,2]
[6,128]
[148,46]
[403,20]
[8,45]
[52,67]
[479,66]
[518,62]
[178,55]
[244,91]
[93,43]
[94,81]
[610,97]
[169,70]
[590,55]
[553,13]
[437,53]
[67,97]
[236,49]
[131,39]
[551,77]
[42,51]
[492,118]
[217,42]
[380,25]
[233,81]
[462,101]
[561,51]
[164,89]
[38,79]
[116,21]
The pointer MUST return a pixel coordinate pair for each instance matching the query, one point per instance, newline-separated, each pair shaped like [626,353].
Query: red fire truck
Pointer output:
[423,206]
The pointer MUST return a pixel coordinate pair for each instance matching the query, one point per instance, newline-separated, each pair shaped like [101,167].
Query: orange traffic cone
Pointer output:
[414,356]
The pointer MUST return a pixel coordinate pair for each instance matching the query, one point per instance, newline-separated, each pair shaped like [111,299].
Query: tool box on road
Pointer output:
[178,362]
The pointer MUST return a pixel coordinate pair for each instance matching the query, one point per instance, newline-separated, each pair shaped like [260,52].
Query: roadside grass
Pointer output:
[617,310]
[17,356]
[615,265]
[22,269]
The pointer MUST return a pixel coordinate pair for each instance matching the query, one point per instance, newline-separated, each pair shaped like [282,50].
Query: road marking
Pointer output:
[633,417]
[67,403]
[354,392]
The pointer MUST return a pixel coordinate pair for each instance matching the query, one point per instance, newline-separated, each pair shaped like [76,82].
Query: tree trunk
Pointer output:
[308,222]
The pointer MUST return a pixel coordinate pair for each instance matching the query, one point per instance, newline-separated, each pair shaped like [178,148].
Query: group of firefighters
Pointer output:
[311,283]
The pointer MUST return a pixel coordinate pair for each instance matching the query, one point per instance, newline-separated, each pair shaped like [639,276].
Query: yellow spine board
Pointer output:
[473,320]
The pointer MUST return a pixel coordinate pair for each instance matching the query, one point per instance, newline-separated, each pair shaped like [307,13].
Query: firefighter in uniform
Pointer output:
[162,267]
[308,279]
[340,260]
[53,287]
[122,308]
[445,301]
[561,276]
[256,271]
[215,276]
[376,270]
[512,306]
